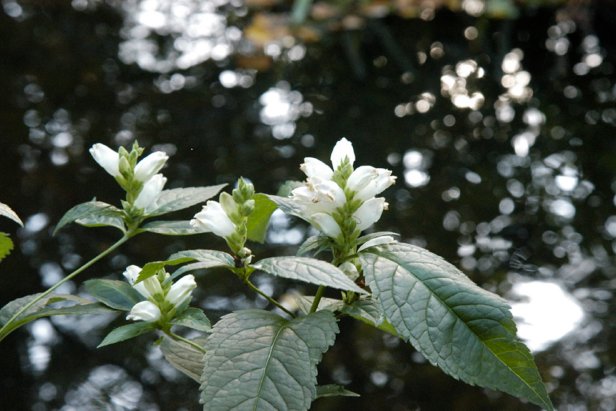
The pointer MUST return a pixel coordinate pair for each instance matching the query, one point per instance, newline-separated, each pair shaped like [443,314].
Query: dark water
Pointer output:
[501,131]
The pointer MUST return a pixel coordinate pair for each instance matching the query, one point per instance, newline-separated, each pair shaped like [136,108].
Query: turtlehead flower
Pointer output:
[213,217]
[144,311]
[342,150]
[367,181]
[150,165]
[181,291]
[148,287]
[369,212]
[326,224]
[106,158]
[149,193]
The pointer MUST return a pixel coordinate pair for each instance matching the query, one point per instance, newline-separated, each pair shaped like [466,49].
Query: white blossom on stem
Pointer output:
[149,193]
[368,181]
[326,224]
[144,311]
[148,287]
[180,291]
[150,165]
[106,158]
[213,218]
[343,149]
[369,212]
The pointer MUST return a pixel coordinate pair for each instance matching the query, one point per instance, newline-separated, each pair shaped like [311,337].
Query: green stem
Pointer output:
[185,340]
[317,299]
[267,297]
[8,327]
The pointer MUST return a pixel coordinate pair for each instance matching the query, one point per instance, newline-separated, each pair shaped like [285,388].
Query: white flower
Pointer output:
[149,193]
[148,287]
[144,311]
[314,168]
[180,292]
[343,149]
[213,217]
[368,181]
[369,212]
[385,239]
[150,165]
[326,224]
[106,158]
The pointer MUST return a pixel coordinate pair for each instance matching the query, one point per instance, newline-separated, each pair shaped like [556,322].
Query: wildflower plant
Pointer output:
[267,359]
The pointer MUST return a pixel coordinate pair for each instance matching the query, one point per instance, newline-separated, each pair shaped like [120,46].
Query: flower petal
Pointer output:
[369,213]
[213,217]
[343,149]
[150,165]
[326,224]
[180,291]
[106,158]
[314,168]
[385,239]
[149,193]
[144,311]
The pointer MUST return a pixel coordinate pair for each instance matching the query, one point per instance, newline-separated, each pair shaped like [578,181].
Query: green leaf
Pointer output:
[334,390]
[172,228]
[286,205]
[466,331]
[93,213]
[181,198]
[6,245]
[126,332]
[260,217]
[308,270]
[256,360]
[314,245]
[183,357]
[7,212]
[193,318]
[205,258]
[378,234]
[113,293]
[153,267]
[288,186]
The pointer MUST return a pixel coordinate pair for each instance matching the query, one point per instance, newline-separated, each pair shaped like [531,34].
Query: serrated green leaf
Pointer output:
[256,360]
[467,331]
[181,198]
[7,212]
[193,318]
[260,217]
[6,245]
[308,270]
[172,228]
[334,390]
[113,293]
[183,357]
[314,245]
[205,258]
[86,211]
[153,267]
[107,218]
[126,332]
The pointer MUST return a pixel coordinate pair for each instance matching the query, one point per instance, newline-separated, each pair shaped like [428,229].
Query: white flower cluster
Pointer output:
[158,299]
[145,173]
[331,195]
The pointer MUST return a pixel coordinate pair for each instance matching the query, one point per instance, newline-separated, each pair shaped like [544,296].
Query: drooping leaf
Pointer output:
[113,293]
[181,198]
[334,390]
[467,331]
[6,245]
[93,213]
[126,332]
[256,360]
[260,217]
[308,270]
[193,318]
[172,228]
[153,267]
[313,245]
[7,212]
[183,357]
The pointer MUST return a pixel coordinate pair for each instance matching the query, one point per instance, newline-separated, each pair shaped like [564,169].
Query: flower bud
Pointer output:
[369,213]
[213,217]
[326,224]
[180,291]
[106,158]
[342,150]
[150,165]
[149,193]
[144,311]
[148,287]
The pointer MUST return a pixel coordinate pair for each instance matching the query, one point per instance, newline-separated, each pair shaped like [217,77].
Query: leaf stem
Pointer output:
[9,327]
[267,297]
[185,340]
[317,299]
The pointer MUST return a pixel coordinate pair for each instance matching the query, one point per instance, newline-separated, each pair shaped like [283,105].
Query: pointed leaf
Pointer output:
[256,360]
[87,211]
[467,331]
[308,270]
[183,357]
[113,293]
[7,212]
[172,228]
[6,245]
[260,217]
[107,218]
[371,236]
[334,390]
[153,267]
[206,258]
[181,198]
[126,332]
[193,318]
[314,245]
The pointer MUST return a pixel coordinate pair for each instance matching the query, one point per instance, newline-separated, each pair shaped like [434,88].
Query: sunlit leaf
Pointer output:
[6,245]
[183,357]
[259,218]
[204,258]
[7,212]
[308,270]
[113,293]
[172,228]
[181,198]
[89,213]
[467,331]
[314,245]
[193,318]
[153,267]
[126,332]
[257,360]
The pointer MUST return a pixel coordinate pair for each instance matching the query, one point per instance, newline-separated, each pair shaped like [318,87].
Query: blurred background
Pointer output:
[497,116]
